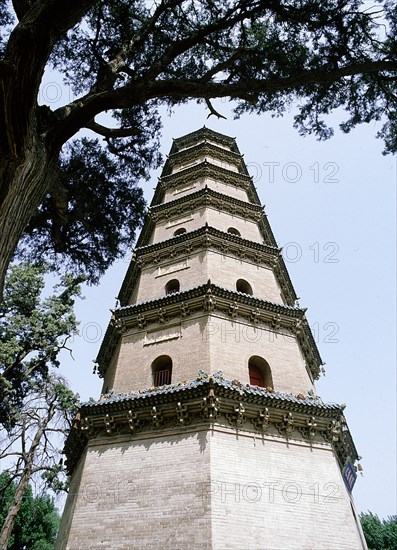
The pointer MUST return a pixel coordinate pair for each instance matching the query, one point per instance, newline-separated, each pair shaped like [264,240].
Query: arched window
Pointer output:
[179,231]
[259,372]
[243,286]
[234,231]
[162,370]
[172,286]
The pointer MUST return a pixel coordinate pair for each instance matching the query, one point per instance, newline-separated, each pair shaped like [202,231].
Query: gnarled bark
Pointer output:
[24,183]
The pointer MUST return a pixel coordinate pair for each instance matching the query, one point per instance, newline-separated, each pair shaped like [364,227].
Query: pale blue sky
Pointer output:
[332,207]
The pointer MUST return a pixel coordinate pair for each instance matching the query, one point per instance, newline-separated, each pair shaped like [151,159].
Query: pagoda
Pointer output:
[209,433]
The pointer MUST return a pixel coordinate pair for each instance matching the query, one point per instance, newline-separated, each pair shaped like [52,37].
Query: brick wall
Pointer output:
[143,494]
[196,269]
[215,490]
[165,229]
[200,183]
[209,343]
[278,495]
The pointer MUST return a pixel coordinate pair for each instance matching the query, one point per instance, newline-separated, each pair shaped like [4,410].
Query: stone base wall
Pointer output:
[211,489]
[143,494]
[278,495]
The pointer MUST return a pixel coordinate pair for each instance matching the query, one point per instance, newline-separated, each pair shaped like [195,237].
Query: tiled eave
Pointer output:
[232,389]
[206,197]
[208,231]
[210,198]
[200,150]
[202,134]
[210,299]
[211,400]
[210,290]
[208,238]
[202,170]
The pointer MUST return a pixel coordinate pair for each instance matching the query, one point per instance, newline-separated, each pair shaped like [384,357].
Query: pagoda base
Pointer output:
[208,488]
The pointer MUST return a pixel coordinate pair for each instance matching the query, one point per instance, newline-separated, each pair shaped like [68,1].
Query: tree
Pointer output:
[36,406]
[66,194]
[38,521]
[379,534]
[35,443]
[33,331]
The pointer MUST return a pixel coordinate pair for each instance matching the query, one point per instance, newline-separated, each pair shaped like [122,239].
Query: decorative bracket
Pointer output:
[206,241]
[119,324]
[87,425]
[157,417]
[276,321]
[109,423]
[298,328]
[254,317]
[210,406]
[185,312]
[237,417]
[209,303]
[334,431]
[233,308]
[162,315]
[262,420]
[288,423]
[141,321]
[133,422]
[311,428]
[181,414]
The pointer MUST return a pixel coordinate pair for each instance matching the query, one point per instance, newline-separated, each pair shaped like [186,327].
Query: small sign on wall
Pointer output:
[179,221]
[349,476]
[167,269]
[163,335]
[184,188]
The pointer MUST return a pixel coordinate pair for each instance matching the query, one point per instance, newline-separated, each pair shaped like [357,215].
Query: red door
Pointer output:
[256,376]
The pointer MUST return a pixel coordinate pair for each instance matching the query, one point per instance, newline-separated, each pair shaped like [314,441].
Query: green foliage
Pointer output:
[101,215]
[37,522]
[34,446]
[379,534]
[6,20]
[33,330]
[128,58]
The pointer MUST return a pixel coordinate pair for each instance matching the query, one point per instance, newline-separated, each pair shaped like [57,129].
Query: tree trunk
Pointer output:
[12,513]
[23,484]
[23,185]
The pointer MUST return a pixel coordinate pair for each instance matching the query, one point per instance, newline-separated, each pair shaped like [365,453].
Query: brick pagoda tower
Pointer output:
[209,433]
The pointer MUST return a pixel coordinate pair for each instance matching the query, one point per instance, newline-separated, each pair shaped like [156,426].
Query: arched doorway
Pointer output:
[260,373]
[162,370]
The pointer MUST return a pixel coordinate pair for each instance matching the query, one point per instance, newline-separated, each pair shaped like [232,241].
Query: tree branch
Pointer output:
[107,76]
[222,66]
[111,132]
[213,111]
[79,113]
[181,46]
[21,7]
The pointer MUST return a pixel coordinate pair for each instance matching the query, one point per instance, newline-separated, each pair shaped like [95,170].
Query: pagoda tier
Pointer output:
[211,398]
